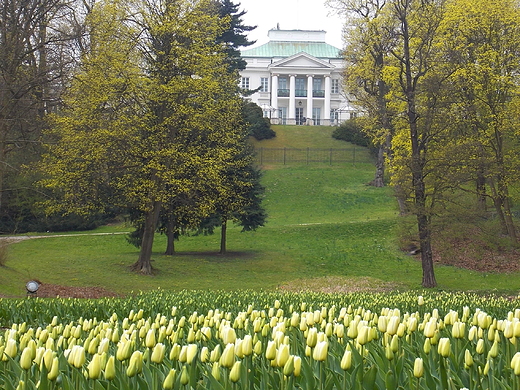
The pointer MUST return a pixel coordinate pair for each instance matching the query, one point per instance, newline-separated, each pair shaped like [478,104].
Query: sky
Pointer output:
[291,15]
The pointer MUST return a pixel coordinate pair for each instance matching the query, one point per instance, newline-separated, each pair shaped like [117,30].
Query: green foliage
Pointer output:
[234,36]
[258,126]
[352,131]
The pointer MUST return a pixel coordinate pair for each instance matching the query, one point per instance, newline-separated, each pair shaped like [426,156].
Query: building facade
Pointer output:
[298,77]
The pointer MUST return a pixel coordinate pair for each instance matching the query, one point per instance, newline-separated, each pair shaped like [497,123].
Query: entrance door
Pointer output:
[282,115]
[316,114]
[299,116]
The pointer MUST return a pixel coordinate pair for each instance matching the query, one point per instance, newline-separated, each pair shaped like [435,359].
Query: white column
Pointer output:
[274,95]
[326,114]
[292,99]
[309,98]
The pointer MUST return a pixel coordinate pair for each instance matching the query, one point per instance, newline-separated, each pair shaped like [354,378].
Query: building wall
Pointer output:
[290,102]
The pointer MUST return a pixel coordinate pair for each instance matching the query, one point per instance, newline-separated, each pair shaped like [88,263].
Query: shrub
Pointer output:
[352,131]
[258,126]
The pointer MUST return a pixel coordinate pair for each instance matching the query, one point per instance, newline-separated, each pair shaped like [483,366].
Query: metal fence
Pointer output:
[330,156]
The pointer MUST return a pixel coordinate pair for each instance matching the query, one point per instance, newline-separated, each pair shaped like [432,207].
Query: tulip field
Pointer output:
[262,340]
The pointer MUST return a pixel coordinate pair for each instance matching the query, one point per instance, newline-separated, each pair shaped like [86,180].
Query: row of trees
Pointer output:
[439,81]
[140,111]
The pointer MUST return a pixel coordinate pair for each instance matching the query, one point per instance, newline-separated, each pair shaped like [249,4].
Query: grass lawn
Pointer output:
[323,222]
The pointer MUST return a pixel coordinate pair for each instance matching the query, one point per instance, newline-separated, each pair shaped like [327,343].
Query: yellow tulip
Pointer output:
[150,339]
[11,349]
[282,355]
[418,368]
[288,368]
[228,356]
[234,375]
[185,376]
[158,353]
[321,351]
[169,381]
[363,335]
[215,371]
[493,352]
[136,364]
[94,367]
[55,370]
[312,337]
[468,359]
[270,352]
[346,360]
[191,353]
[26,358]
[110,369]
[444,347]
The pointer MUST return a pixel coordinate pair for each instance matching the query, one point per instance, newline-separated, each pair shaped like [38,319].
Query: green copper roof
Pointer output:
[287,49]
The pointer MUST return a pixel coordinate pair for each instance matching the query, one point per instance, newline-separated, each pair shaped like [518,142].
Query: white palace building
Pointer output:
[298,77]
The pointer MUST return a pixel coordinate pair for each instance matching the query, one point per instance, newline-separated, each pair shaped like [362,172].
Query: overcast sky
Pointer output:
[291,15]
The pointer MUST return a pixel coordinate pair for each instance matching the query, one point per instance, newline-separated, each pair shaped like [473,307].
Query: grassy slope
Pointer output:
[323,221]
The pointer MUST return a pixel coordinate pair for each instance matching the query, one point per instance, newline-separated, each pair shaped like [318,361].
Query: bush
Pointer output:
[352,131]
[258,126]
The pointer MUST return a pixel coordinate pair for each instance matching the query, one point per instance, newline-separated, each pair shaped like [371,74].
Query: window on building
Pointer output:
[244,83]
[334,88]
[264,84]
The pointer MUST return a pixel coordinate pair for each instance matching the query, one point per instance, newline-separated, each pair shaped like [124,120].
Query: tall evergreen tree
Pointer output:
[235,36]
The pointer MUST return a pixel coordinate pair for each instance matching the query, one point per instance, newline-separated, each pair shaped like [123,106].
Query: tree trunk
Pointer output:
[170,234]
[380,168]
[144,263]
[419,149]
[223,237]
[481,191]
[503,193]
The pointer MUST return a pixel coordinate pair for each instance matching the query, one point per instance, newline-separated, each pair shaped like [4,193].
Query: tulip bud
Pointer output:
[257,349]
[312,337]
[468,359]
[11,349]
[420,300]
[427,346]
[150,339]
[185,376]
[346,360]
[136,364]
[247,345]
[94,367]
[493,352]
[430,327]
[110,369]
[191,353]
[169,381]
[288,368]
[282,355]
[363,335]
[270,352]
[444,347]
[234,375]
[26,358]
[158,353]
[321,351]
[215,371]
[393,324]
[55,370]
[418,368]
[228,356]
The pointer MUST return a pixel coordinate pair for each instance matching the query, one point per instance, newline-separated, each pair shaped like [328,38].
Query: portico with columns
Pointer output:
[298,77]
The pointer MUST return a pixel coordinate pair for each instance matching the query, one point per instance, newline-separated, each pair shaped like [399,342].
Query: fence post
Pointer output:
[283,156]
[307,156]
[262,156]
[354,155]
[330,157]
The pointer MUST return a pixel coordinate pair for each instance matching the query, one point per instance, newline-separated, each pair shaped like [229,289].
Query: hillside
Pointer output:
[327,230]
